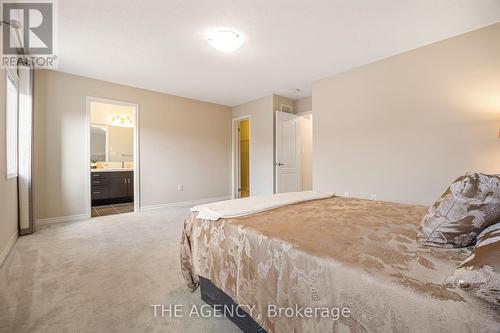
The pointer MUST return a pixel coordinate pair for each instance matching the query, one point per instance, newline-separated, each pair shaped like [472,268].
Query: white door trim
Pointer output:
[235,151]
[137,196]
[8,248]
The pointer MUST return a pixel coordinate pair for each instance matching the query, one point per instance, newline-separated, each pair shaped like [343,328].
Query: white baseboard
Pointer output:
[60,219]
[10,244]
[183,203]
[81,217]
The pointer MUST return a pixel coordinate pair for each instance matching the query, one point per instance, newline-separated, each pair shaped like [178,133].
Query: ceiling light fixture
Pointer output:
[226,40]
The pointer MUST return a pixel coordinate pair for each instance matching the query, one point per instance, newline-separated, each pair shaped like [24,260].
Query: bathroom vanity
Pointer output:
[111,186]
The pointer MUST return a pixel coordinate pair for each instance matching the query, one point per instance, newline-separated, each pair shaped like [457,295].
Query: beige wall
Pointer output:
[262,147]
[121,144]
[261,143]
[404,127]
[278,100]
[306,135]
[8,188]
[303,105]
[102,113]
[98,143]
[182,141]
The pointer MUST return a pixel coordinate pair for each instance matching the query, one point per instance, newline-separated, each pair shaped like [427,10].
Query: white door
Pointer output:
[288,153]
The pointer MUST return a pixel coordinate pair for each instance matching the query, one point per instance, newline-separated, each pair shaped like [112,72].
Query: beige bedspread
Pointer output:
[336,252]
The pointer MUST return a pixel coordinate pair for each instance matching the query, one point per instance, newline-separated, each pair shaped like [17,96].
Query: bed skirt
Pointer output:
[213,296]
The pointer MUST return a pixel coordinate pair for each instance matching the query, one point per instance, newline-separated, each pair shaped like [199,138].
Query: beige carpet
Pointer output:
[100,276]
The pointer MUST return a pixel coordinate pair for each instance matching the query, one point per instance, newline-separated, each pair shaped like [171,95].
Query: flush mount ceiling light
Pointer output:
[226,40]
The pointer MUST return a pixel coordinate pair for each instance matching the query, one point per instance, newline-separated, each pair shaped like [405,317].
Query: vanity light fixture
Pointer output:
[121,120]
[226,40]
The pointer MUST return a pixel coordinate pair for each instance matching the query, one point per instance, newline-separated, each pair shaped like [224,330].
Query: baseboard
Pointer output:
[181,204]
[190,203]
[60,219]
[8,248]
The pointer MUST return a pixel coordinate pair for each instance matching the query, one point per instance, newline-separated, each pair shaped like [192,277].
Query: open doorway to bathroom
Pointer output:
[241,151]
[113,157]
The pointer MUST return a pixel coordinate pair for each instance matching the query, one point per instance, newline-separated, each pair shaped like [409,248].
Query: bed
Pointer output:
[333,253]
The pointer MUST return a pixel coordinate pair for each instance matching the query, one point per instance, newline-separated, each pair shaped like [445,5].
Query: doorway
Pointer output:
[241,160]
[288,153]
[112,151]
[293,164]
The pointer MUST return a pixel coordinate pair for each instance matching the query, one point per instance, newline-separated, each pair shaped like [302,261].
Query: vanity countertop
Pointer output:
[111,169]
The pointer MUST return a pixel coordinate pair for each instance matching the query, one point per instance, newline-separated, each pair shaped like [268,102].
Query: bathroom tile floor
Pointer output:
[105,210]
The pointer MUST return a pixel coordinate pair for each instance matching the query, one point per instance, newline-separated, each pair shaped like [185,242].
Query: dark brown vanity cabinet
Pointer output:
[112,187]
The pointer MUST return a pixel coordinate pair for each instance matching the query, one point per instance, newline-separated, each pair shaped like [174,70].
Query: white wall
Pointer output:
[8,188]
[261,143]
[182,141]
[404,127]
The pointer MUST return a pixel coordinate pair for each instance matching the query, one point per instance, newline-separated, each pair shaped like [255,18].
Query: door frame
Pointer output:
[298,152]
[235,156]
[137,196]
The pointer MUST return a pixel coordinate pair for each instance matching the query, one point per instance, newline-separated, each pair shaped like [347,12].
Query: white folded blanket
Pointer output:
[246,206]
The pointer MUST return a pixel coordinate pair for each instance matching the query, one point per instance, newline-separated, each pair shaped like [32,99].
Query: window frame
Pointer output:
[11,75]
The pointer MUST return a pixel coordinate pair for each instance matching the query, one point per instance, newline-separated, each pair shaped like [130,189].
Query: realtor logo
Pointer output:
[31,27]
[28,33]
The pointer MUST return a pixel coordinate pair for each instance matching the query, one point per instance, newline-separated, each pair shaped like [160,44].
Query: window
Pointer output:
[11,115]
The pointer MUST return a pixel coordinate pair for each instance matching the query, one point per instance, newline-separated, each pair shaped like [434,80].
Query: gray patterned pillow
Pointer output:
[471,204]
[480,272]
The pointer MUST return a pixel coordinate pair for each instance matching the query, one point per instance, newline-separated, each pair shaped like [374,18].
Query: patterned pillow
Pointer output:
[471,204]
[481,270]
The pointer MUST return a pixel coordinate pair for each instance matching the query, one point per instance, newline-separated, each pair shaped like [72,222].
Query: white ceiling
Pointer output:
[160,44]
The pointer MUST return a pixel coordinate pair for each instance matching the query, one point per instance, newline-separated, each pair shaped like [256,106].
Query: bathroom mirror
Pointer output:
[111,143]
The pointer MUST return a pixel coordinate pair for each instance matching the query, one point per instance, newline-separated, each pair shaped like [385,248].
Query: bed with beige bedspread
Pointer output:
[336,252]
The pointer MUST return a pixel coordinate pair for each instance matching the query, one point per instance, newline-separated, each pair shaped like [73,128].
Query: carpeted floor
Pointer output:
[101,275]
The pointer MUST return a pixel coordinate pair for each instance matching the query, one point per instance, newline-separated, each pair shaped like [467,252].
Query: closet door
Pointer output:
[25,146]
